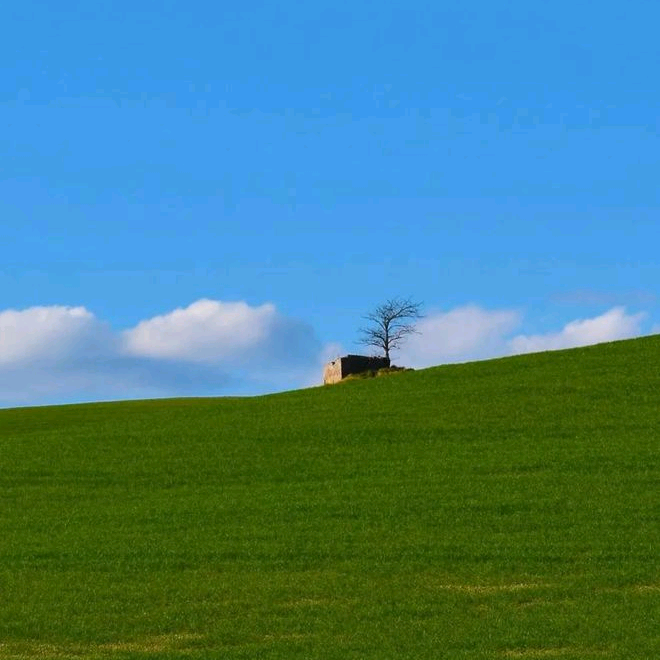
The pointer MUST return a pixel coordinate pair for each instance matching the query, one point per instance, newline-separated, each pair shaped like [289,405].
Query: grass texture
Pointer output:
[501,509]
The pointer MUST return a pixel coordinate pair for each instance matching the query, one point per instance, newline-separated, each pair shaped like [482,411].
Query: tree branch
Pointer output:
[390,324]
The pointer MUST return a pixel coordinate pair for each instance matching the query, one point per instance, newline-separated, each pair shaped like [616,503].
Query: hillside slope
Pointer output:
[507,508]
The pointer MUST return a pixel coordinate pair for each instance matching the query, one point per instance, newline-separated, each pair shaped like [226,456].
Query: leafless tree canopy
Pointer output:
[390,323]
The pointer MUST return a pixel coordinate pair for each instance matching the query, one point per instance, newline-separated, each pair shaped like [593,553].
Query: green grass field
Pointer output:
[502,509]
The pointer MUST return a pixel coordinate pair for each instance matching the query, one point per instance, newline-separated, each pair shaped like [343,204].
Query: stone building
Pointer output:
[351,364]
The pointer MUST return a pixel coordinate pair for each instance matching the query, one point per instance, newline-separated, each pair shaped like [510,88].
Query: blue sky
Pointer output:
[205,198]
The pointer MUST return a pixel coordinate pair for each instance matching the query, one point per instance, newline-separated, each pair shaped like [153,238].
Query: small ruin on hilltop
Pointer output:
[351,364]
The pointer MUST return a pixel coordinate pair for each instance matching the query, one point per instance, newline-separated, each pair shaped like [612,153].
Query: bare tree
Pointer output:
[390,323]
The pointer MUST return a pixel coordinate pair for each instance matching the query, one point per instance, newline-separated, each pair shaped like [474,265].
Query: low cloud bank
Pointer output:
[465,333]
[50,335]
[614,324]
[232,334]
[472,333]
[58,354]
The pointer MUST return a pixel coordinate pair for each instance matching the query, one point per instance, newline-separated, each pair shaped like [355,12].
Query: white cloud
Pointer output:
[230,334]
[470,332]
[206,331]
[51,351]
[41,334]
[54,354]
[461,334]
[612,325]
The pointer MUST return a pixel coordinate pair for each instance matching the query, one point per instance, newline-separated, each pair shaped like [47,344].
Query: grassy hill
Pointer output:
[502,509]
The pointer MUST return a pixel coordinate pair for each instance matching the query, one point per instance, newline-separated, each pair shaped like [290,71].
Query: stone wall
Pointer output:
[351,364]
[332,372]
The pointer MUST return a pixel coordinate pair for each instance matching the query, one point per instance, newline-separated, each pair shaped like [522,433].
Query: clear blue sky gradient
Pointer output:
[325,155]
